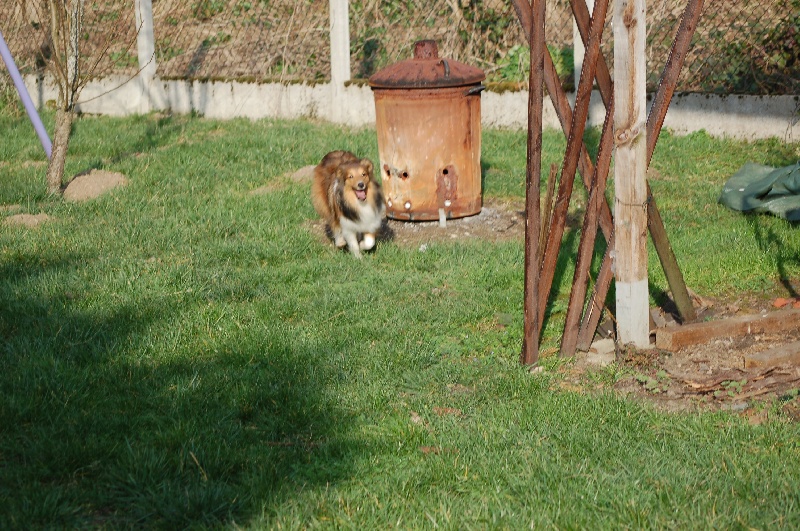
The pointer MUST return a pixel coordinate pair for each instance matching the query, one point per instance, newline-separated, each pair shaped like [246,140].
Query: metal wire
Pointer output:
[739,47]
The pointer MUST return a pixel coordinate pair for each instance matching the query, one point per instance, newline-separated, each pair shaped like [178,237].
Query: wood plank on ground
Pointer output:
[674,338]
[784,354]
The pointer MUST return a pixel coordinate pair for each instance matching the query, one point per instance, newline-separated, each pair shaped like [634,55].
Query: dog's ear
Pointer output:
[368,165]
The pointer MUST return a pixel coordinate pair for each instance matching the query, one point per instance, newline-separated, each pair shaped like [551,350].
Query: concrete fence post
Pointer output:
[153,96]
[340,57]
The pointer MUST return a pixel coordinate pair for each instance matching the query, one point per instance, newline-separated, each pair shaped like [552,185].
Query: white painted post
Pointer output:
[630,164]
[153,96]
[340,57]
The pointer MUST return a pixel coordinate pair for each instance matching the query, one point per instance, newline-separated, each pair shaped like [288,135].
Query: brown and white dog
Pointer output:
[349,199]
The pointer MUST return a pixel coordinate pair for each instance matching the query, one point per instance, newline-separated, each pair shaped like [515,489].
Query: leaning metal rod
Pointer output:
[582,20]
[669,76]
[597,197]
[594,309]
[564,113]
[547,210]
[570,163]
[22,90]
[531,326]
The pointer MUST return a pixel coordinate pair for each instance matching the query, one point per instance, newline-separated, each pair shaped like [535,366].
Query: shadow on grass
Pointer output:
[159,131]
[772,242]
[114,415]
[566,254]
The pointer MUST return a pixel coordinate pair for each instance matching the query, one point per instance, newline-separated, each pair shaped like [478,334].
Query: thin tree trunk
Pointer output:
[55,170]
[66,25]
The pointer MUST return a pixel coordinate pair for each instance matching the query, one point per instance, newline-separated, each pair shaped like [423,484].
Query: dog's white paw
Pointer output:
[367,243]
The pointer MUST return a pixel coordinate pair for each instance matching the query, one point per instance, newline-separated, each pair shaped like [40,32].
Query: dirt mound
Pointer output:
[26,220]
[93,184]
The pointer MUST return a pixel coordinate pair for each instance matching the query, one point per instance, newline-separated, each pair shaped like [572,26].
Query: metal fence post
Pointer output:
[340,57]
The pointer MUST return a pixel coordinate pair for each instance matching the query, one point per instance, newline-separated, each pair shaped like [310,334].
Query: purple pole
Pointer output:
[25,97]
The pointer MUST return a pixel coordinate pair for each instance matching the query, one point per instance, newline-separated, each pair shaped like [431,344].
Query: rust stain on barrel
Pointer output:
[429,139]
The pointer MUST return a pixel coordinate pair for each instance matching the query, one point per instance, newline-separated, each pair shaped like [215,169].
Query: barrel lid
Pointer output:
[426,70]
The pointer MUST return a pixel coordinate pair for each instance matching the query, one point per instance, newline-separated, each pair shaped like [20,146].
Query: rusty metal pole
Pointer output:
[583,20]
[564,112]
[531,327]
[571,155]
[594,309]
[669,76]
[597,196]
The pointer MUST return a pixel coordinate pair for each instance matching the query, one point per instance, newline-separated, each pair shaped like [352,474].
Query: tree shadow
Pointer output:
[111,420]
[786,252]
[161,130]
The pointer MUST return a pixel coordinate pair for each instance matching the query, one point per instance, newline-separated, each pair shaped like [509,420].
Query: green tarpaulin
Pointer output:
[757,188]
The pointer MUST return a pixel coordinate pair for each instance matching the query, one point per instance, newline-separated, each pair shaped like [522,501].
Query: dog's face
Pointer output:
[357,178]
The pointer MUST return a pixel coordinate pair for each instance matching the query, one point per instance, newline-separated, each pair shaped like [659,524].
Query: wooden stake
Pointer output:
[597,196]
[531,325]
[547,210]
[630,206]
[571,156]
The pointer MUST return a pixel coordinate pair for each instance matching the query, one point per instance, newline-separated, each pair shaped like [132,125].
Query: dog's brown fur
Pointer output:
[348,198]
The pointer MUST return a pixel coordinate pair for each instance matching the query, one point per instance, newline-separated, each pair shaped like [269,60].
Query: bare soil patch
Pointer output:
[26,220]
[707,376]
[93,184]
[498,220]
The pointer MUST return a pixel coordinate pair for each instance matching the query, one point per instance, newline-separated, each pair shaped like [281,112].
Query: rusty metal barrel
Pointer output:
[428,121]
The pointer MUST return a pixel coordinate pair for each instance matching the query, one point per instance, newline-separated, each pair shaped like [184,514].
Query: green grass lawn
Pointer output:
[183,353]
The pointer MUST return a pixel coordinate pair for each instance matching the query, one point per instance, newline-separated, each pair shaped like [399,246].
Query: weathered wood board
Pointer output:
[674,338]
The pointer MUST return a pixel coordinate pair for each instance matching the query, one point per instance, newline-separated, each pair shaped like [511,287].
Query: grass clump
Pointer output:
[183,353]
